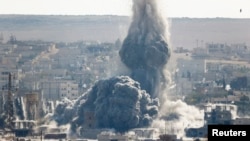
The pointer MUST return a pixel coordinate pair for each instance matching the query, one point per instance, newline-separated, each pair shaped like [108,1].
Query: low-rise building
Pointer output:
[241,121]
[107,136]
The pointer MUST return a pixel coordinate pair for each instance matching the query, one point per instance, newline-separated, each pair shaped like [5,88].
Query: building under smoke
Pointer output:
[117,103]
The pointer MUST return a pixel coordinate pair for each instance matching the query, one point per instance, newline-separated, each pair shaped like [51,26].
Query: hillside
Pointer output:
[185,32]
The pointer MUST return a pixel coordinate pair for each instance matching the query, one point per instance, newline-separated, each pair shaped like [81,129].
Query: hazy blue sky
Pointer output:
[172,8]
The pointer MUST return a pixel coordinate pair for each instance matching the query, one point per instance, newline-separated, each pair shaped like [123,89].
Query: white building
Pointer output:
[69,90]
[190,67]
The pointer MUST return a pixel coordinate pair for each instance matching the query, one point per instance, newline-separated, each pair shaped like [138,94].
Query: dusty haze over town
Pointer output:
[111,76]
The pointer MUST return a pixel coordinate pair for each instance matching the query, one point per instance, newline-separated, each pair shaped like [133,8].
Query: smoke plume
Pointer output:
[177,116]
[127,102]
[64,112]
[118,103]
[145,49]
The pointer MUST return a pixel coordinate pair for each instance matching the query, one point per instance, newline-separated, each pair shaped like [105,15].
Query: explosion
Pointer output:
[126,102]
[119,103]
[130,100]
[145,50]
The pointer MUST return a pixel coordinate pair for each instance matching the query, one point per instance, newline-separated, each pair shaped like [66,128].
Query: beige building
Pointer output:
[69,90]
[58,89]
[107,136]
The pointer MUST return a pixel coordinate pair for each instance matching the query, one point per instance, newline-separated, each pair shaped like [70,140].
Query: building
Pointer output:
[109,136]
[58,89]
[51,89]
[16,75]
[241,121]
[69,90]
[89,118]
[31,101]
[223,114]
[219,65]
[220,113]
[189,68]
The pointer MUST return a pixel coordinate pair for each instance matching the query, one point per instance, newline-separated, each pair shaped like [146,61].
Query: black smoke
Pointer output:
[126,102]
[145,50]
[118,103]
[64,112]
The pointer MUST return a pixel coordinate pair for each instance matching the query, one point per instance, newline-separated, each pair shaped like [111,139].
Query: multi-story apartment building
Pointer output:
[58,89]
[69,90]
[51,90]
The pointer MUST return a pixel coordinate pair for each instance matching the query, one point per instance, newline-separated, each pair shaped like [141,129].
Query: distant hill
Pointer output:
[64,28]
[185,32]
[191,33]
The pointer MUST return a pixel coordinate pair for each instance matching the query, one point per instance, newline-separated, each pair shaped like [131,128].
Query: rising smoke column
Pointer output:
[127,102]
[145,52]
[145,49]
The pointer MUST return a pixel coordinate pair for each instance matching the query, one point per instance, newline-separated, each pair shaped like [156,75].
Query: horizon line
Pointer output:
[171,17]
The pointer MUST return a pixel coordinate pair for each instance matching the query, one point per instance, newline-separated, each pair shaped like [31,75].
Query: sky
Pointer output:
[171,8]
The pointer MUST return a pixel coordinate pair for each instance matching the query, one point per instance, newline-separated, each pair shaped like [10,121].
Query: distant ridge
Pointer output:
[107,28]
